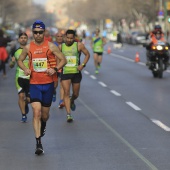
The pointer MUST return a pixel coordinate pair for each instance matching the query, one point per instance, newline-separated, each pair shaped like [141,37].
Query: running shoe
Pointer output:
[54,96]
[98,65]
[24,119]
[61,104]
[69,118]
[96,71]
[73,106]
[39,149]
[43,128]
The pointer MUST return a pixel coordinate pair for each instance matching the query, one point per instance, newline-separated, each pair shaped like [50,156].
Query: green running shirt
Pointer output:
[72,56]
[19,71]
[97,44]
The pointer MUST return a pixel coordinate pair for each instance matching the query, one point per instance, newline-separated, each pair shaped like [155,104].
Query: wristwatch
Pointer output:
[84,65]
[56,69]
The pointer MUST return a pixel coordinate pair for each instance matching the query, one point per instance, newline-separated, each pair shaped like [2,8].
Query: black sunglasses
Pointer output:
[38,32]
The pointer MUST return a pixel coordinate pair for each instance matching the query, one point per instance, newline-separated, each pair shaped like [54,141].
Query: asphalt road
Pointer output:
[122,121]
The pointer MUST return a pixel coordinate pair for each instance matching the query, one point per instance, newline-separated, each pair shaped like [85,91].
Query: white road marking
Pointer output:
[115,133]
[102,84]
[93,77]
[143,64]
[133,106]
[86,72]
[115,93]
[122,57]
[157,122]
[161,125]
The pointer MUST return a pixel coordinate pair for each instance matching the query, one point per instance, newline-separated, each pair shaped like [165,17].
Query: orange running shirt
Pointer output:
[41,58]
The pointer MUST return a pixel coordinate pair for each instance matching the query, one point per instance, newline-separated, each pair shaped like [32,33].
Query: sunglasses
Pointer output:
[38,32]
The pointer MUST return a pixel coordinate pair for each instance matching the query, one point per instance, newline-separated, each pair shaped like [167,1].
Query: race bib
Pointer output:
[71,66]
[71,61]
[40,64]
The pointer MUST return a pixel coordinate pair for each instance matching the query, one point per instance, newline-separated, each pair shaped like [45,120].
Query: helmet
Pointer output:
[157,29]
[38,24]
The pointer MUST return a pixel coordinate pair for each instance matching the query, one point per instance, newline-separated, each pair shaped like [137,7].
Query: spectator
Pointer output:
[3,52]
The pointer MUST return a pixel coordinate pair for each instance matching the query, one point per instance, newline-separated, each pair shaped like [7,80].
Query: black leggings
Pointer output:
[3,67]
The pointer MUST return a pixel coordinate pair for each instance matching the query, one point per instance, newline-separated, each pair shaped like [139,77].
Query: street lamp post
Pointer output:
[160,9]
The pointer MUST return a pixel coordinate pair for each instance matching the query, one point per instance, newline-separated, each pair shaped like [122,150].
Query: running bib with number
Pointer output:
[71,66]
[40,64]
[71,61]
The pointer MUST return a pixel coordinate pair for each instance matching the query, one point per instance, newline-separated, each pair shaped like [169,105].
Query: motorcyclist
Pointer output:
[156,28]
[155,36]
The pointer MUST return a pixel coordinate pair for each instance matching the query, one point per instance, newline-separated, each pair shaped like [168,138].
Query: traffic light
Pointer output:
[168,8]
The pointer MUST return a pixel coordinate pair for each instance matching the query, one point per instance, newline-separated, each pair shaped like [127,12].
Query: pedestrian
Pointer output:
[3,52]
[59,40]
[97,44]
[71,72]
[22,80]
[42,70]
[119,38]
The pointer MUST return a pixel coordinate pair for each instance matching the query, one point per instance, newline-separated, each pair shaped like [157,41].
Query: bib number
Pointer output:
[71,61]
[40,64]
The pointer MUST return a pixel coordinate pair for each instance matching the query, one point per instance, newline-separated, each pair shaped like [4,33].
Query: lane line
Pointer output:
[114,132]
[93,77]
[161,125]
[102,84]
[133,106]
[157,122]
[115,93]
[131,60]
[86,72]
[122,57]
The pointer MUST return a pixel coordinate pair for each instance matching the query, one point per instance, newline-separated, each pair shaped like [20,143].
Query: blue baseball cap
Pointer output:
[38,24]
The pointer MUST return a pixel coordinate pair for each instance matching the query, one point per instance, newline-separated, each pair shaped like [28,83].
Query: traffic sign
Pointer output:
[160,13]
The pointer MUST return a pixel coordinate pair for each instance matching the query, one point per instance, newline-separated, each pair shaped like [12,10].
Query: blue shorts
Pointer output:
[42,93]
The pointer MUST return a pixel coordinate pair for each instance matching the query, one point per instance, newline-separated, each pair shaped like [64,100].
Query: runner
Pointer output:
[21,80]
[97,44]
[59,40]
[71,73]
[42,68]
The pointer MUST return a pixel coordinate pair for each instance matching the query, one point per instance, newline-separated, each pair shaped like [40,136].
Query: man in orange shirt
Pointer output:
[47,36]
[42,70]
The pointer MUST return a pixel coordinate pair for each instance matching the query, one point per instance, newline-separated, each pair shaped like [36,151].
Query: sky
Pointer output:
[40,1]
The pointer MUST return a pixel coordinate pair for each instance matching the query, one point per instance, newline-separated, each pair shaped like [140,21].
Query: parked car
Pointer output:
[138,38]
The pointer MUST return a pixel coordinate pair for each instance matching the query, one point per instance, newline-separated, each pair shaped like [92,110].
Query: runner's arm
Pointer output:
[60,56]
[104,41]
[12,63]
[22,57]
[82,48]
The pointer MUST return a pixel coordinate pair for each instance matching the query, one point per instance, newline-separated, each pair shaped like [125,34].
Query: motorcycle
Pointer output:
[159,58]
